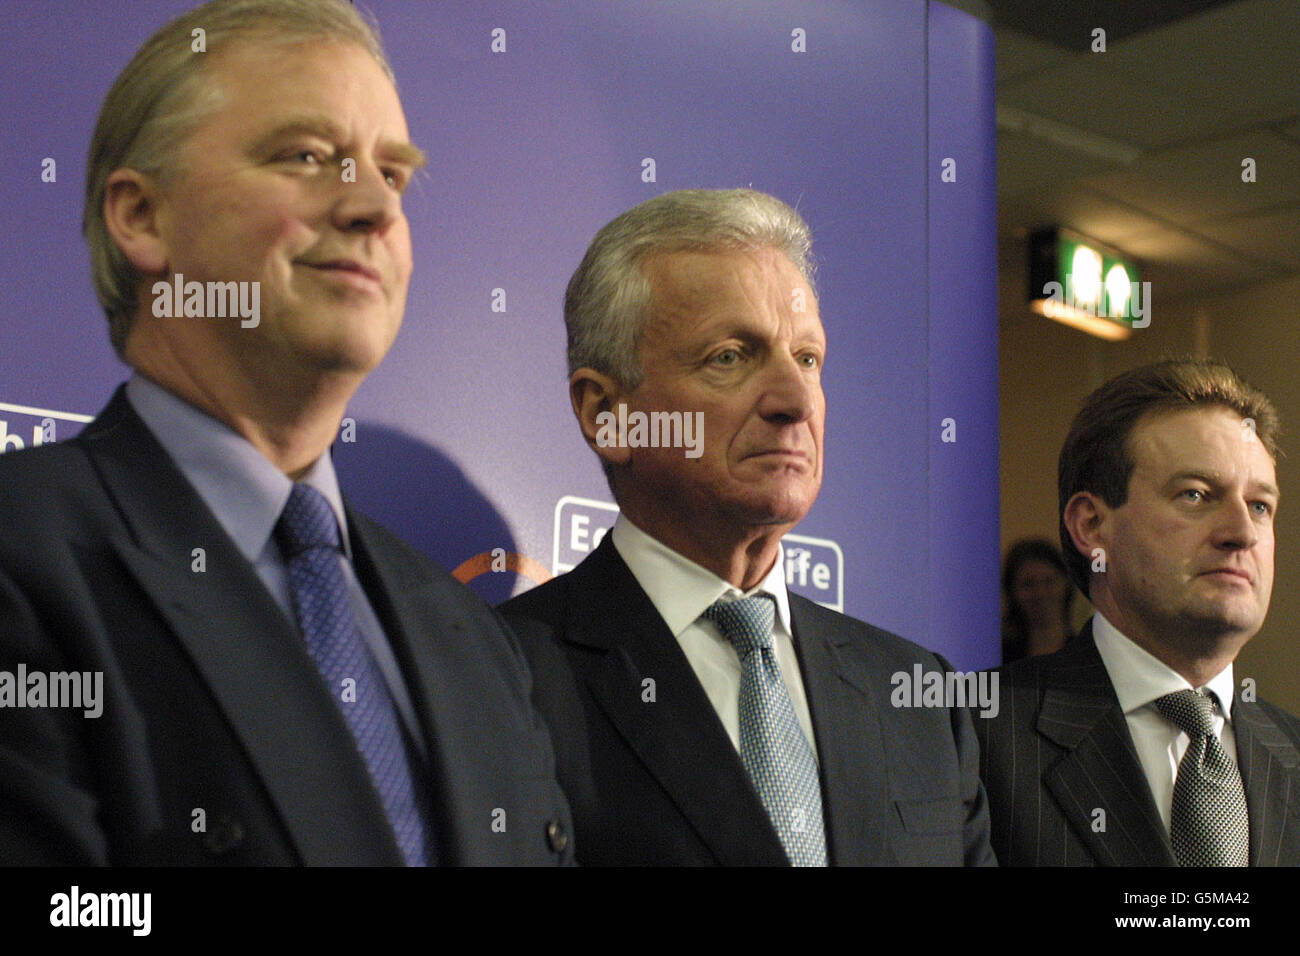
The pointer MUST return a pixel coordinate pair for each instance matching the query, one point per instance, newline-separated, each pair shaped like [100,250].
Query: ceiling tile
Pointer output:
[1097,94]
[1018,54]
[1238,59]
[1029,164]
[1080,210]
[1177,263]
[1270,237]
[1191,185]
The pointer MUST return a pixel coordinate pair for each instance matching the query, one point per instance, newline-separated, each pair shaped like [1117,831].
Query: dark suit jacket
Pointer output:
[661,783]
[211,702]
[1060,749]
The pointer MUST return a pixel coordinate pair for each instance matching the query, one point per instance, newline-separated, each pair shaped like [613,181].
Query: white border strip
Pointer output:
[45,412]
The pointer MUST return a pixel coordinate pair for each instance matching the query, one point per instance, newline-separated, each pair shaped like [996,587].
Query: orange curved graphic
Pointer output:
[521,564]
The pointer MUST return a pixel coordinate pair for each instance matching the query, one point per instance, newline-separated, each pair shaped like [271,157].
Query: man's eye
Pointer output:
[304,157]
[1262,508]
[810,360]
[1193,494]
[396,179]
[727,357]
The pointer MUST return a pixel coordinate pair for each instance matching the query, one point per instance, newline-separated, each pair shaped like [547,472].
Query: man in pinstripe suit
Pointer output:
[1167,493]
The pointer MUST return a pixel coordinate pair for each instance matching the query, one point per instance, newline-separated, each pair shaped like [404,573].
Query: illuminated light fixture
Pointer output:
[1118,290]
[1083,284]
[1085,272]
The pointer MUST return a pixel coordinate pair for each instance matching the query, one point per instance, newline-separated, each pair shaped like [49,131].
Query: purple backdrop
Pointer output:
[464,439]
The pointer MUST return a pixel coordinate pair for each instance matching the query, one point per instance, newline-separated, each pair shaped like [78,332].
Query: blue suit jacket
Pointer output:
[219,741]
[661,783]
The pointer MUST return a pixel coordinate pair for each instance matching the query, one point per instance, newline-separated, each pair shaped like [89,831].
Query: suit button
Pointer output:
[224,835]
[556,837]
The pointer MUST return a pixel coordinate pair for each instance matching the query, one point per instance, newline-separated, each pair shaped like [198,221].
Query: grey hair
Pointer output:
[162,96]
[608,297]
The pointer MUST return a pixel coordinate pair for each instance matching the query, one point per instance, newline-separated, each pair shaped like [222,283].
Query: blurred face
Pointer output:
[1190,553]
[734,335]
[1039,590]
[264,194]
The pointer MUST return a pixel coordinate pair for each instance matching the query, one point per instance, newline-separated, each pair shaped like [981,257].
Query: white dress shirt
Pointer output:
[1139,680]
[681,591]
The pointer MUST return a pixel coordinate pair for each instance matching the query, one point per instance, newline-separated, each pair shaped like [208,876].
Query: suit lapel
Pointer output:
[850,749]
[1270,771]
[1100,768]
[248,652]
[427,637]
[678,737]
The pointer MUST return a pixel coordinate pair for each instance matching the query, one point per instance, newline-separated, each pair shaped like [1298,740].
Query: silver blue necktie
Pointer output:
[773,748]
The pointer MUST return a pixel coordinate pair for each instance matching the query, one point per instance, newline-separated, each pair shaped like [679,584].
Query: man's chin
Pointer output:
[1219,622]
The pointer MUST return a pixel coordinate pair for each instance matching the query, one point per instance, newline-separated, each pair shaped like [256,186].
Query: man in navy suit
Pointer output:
[1138,744]
[702,714]
[276,679]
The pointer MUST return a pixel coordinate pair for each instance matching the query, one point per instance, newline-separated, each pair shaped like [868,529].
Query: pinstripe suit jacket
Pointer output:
[1059,751]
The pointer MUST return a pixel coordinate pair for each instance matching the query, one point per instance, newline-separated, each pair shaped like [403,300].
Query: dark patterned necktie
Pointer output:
[773,748]
[1209,825]
[308,535]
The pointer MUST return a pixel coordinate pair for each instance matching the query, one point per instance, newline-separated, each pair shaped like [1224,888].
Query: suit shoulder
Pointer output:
[43,470]
[397,550]
[49,494]
[537,616]
[1287,721]
[541,603]
[884,646]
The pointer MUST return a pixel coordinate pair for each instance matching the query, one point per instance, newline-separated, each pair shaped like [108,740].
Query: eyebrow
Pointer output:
[1211,479]
[320,125]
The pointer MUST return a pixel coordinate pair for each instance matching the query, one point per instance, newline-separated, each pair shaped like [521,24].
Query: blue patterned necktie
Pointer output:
[308,535]
[773,748]
[1208,822]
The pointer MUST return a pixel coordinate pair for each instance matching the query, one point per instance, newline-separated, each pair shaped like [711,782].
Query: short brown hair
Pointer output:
[161,97]
[1096,456]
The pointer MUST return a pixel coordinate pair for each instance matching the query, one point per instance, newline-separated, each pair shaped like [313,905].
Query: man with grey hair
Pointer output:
[276,679]
[701,713]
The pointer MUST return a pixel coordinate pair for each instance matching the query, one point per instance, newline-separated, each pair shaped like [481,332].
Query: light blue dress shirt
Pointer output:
[246,494]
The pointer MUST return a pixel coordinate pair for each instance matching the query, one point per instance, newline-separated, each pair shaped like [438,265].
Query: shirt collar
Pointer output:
[240,486]
[679,588]
[1139,678]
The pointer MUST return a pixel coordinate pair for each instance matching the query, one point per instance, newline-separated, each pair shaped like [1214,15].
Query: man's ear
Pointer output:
[131,208]
[595,398]
[1085,517]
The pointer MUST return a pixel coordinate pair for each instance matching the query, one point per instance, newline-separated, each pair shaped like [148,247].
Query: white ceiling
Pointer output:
[1141,147]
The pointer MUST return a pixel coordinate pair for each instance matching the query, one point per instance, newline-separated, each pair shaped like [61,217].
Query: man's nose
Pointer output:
[370,203]
[1235,527]
[791,391]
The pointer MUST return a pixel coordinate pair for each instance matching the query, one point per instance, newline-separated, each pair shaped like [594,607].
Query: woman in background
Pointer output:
[1037,595]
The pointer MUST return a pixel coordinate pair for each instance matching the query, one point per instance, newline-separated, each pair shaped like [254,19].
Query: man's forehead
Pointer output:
[1203,440]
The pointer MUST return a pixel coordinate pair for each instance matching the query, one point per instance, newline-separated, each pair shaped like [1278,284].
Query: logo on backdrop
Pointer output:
[22,426]
[814,567]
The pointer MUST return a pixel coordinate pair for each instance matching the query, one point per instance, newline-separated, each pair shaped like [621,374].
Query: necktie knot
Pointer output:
[307,522]
[746,622]
[1190,710]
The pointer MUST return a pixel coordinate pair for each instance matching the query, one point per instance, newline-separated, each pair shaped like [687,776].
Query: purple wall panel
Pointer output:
[965,607]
